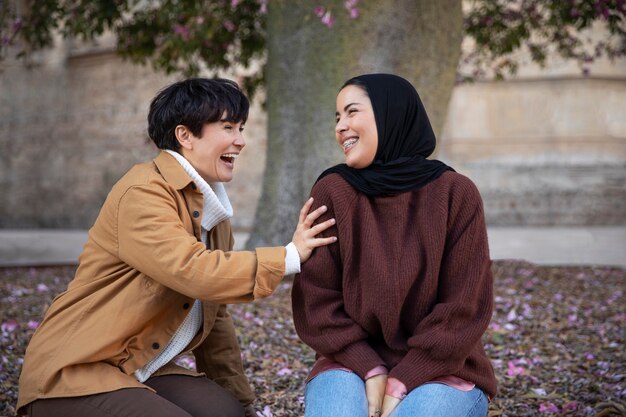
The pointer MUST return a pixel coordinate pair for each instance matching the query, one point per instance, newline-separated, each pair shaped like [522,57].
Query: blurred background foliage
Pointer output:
[188,36]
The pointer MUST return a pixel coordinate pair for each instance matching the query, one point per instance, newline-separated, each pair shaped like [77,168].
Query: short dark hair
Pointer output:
[192,103]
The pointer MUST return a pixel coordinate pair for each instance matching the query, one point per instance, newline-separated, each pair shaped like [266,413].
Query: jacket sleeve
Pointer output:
[319,315]
[219,357]
[444,339]
[152,239]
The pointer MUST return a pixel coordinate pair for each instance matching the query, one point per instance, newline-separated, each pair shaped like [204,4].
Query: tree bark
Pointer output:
[419,40]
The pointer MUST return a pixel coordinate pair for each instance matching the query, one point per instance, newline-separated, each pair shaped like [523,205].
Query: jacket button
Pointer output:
[193,186]
[155,346]
[185,306]
[196,213]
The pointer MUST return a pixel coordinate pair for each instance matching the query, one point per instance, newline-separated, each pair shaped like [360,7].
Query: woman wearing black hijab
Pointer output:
[396,308]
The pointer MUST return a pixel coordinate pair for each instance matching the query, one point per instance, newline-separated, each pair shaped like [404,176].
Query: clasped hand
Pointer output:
[379,404]
[304,238]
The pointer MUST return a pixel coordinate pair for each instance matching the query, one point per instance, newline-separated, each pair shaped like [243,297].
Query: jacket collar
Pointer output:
[171,170]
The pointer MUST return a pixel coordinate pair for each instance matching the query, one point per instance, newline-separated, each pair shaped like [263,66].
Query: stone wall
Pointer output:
[545,148]
[74,123]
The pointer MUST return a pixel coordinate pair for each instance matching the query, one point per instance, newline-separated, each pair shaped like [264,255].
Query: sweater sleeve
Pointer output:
[444,339]
[317,299]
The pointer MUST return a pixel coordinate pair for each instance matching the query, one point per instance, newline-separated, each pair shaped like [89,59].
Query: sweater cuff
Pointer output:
[379,370]
[395,388]
[292,260]
[359,357]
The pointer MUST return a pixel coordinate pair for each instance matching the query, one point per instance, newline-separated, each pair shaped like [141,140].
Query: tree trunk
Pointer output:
[307,64]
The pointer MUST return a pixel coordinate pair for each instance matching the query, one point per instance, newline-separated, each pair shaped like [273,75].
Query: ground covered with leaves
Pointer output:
[557,340]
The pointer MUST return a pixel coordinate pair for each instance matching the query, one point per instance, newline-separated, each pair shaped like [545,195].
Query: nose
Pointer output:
[240,142]
[340,126]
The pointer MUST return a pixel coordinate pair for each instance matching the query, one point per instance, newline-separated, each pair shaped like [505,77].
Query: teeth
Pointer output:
[347,144]
[230,155]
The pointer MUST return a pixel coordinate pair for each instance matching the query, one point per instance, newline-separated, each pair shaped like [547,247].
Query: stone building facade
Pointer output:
[545,148]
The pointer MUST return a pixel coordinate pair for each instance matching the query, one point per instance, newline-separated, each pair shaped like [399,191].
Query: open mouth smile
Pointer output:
[229,158]
[349,144]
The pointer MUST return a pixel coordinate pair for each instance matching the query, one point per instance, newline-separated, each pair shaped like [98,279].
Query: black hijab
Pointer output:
[405,140]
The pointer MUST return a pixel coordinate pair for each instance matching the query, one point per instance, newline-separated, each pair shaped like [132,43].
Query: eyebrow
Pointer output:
[228,121]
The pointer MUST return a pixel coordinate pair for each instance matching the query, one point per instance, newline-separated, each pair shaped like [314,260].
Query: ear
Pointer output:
[183,135]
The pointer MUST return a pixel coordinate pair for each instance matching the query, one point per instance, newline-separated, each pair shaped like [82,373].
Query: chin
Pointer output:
[355,164]
[225,178]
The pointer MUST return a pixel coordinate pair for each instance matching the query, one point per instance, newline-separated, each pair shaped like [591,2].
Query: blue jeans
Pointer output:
[338,393]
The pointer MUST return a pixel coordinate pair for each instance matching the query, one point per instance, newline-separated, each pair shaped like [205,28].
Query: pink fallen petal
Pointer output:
[548,408]
[32,324]
[265,413]
[570,406]
[284,371]
[514,370]
[8,326]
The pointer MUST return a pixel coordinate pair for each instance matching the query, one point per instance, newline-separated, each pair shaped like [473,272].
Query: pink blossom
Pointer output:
[548,408]
[42,287]
[9,326]
[350,5]
[319,11]
[234,3]
[32,324]
[182,31]
[17,24]
[328,20]
[263,7]
[229,26]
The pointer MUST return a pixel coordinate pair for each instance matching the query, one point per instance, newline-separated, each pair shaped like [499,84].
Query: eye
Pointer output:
[352,110]
[228,127]
[241,129]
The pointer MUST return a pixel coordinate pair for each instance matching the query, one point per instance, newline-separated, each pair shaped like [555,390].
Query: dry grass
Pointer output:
[556,340]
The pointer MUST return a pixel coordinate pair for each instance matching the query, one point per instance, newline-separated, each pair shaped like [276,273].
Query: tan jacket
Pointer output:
[140,271]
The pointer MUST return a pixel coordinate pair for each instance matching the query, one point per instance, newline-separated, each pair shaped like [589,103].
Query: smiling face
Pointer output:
[213,154]
[356,130]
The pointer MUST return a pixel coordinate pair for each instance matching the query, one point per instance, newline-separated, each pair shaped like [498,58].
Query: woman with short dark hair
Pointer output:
[155,275]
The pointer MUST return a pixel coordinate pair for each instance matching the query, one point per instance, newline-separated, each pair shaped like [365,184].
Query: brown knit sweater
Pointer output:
[408,285]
